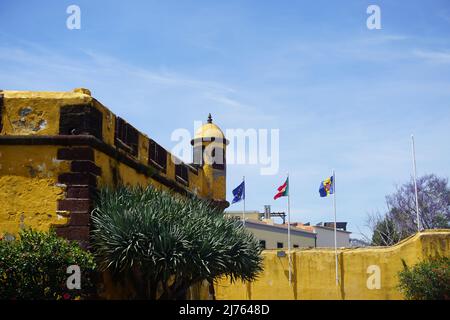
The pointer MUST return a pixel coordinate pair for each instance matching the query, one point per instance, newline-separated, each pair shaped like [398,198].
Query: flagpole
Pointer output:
[415,181]
[243,212]
[289,231]
[335,226]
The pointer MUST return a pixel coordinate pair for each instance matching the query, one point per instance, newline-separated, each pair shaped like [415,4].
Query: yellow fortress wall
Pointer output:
[58,148]
[28,189]
[365,273]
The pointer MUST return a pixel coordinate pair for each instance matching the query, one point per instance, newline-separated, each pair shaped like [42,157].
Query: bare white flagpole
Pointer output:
[335,226]
[243,212]
[289,230]
[415,181]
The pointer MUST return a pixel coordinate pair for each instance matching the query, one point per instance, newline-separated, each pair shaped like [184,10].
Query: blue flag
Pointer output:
[239,193]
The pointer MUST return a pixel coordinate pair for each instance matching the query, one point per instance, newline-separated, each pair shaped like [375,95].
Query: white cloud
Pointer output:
[89,63]
[438,57]
[32,67]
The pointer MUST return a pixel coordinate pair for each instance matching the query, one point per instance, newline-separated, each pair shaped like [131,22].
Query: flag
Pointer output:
[326,187]
[283,190]
[239,193]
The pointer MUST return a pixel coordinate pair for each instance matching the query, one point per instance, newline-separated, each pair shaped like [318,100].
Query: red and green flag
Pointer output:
[283,190]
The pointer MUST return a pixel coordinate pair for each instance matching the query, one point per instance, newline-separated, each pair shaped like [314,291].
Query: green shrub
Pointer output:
[427,280]
[164,244]
[35,266]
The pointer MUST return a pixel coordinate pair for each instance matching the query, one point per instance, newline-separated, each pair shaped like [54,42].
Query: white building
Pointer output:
[272,235]
[325,237]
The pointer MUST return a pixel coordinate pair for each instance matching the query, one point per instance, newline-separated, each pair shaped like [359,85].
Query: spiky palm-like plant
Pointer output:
[167,243]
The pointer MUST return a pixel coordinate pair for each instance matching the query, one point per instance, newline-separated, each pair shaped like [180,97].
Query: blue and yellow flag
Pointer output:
[326,187]
[239,193]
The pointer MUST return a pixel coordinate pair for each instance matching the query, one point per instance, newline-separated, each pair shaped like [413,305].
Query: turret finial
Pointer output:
[209,118]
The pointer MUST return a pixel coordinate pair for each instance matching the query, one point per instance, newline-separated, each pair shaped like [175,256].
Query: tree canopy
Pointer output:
[400,220]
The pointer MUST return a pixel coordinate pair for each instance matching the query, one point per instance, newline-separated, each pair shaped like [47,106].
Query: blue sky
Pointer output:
[343,96]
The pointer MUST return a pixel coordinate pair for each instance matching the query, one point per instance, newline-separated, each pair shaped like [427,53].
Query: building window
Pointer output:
[262,244]
[157,156]
[296,246]
[126,137]
[181,173]
[280,245]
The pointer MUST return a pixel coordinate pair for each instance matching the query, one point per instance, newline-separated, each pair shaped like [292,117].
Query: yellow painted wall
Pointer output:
[114,171]
[28,174]
[29,189]
[36,113]
[314,271]
[123,289]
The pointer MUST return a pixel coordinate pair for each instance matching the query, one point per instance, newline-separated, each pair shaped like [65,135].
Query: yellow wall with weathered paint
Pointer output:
[29,189]
[117,173]
[36,113]
[314,271]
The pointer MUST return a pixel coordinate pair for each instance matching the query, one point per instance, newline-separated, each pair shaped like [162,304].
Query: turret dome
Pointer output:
[209,131]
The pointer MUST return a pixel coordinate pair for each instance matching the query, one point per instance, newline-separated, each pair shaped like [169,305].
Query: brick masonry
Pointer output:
[80,119]
[78,153]
[81,187]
